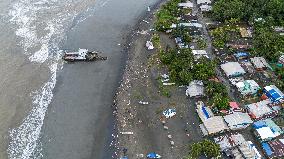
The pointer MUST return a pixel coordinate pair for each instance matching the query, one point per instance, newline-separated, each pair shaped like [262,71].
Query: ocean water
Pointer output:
[49,109]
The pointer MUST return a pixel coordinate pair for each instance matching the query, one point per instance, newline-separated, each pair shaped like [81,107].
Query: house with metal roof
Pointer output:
[261,110]
[238,120]
[236,146]
[266,130]
[233,69]
[247,87]
[274,149]
[259,63]
[213,125]
[274,94]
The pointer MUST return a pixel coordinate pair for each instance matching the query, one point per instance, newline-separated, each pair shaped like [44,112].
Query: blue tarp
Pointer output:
[241,54]
[153,155]
[267,149]
[205,112]
[259,124]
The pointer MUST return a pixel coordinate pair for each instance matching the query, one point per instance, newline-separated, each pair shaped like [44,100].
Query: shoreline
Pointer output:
[129,56]
[96,141]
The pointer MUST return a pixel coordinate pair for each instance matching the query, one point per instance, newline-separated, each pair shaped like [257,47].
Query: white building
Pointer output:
[233,69]
[247,87]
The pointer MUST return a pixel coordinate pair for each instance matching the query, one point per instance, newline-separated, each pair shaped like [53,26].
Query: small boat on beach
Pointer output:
[83,55]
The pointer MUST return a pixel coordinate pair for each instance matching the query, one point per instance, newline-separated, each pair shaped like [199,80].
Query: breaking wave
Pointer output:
[41,26]
[24,138]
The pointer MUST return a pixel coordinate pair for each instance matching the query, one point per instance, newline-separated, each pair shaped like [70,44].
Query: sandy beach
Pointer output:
[140,127]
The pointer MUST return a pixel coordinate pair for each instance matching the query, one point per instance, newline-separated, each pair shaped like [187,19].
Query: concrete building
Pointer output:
[213,125]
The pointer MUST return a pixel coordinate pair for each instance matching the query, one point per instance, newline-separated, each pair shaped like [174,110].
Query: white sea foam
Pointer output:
[24,138]
[28,15]
[42,54]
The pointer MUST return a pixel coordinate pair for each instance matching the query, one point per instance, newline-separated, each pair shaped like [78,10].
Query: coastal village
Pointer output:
[204,81]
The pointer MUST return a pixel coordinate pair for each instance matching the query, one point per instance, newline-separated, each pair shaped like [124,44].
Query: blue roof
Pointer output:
[276,96]
[267,149]
[273,94]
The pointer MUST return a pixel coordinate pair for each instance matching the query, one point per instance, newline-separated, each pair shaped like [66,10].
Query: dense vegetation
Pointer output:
[263,15]
[248,10]
[183,68]
[218,95]
[205,147]
[166,16]
[221,34]
[267,43]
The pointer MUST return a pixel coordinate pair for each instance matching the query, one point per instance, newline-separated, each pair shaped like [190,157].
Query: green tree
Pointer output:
[228,9]
[206,147]
[156,41]
[213,87]
[211,149]
[204,69]
[267,43]
[220,101]
[196,150]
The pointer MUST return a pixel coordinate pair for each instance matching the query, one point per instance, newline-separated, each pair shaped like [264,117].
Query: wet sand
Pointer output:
[79,122]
